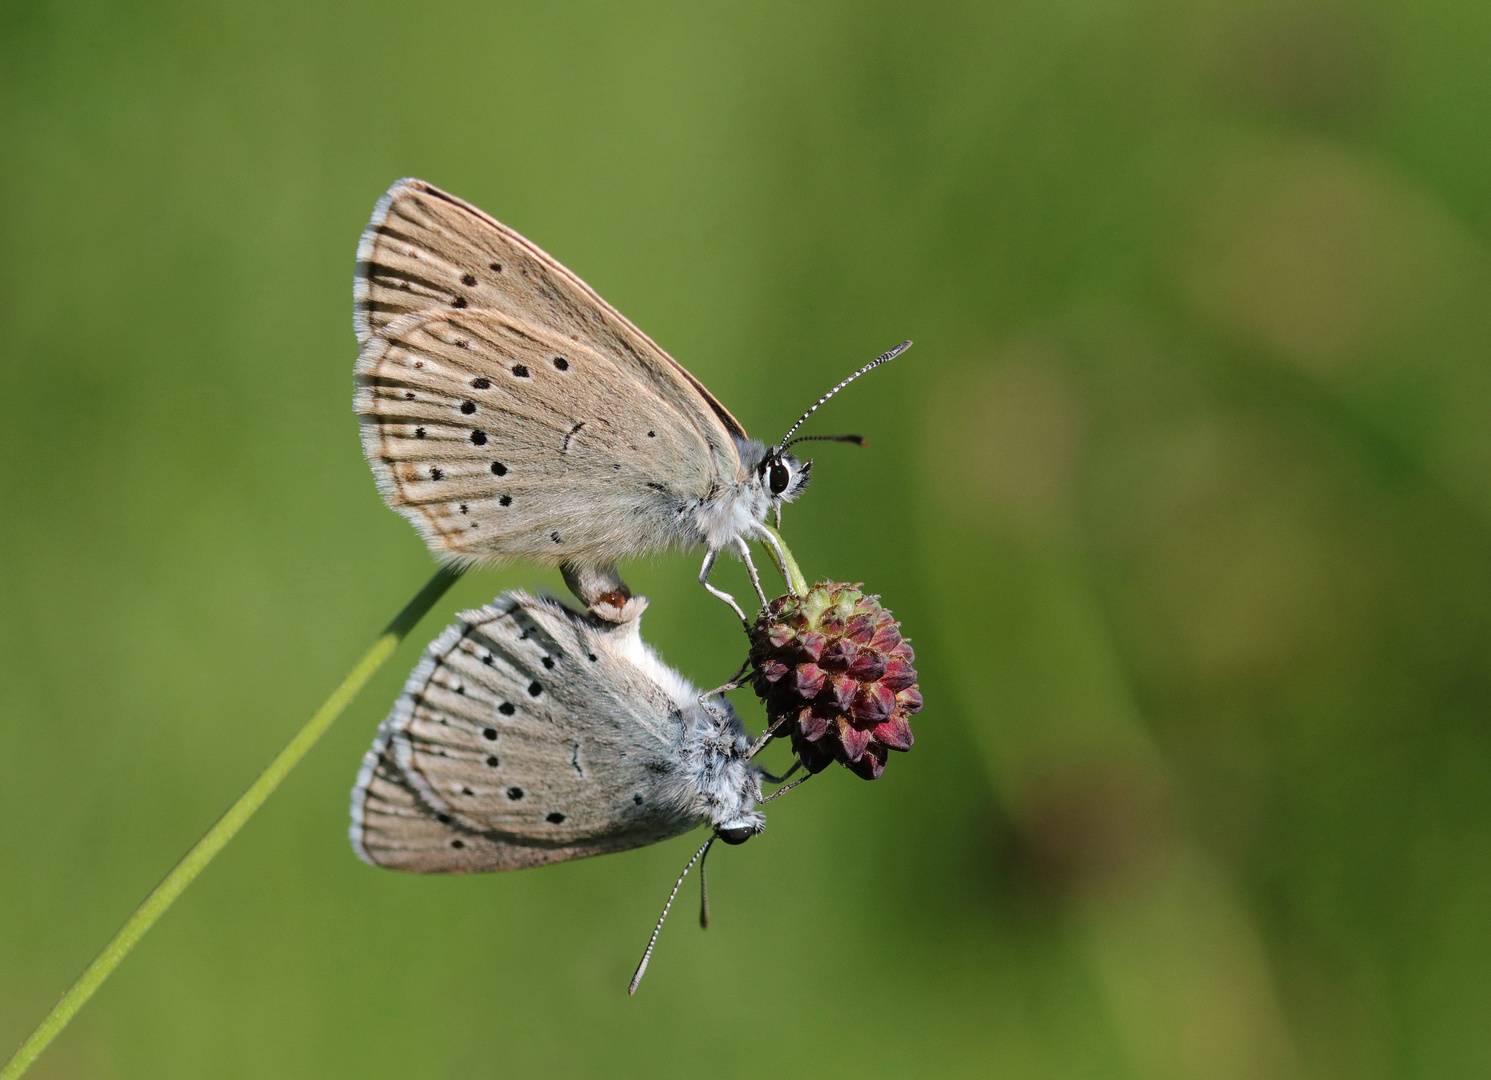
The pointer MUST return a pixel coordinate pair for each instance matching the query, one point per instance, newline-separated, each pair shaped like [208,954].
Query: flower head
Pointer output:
[836,676]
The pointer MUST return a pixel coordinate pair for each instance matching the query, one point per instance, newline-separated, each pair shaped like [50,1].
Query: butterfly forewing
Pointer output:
[425,249]
[496,438]
[525,736]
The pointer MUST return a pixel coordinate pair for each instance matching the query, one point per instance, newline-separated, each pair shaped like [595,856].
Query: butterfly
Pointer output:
[530,733]
[509,412]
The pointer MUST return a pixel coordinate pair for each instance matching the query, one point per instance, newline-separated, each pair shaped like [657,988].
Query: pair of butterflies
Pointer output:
[510,412]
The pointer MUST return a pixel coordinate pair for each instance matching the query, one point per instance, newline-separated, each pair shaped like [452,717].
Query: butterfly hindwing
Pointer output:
[498,439]
[526,735]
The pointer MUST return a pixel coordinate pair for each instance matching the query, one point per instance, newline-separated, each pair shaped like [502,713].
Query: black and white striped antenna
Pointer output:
[885,358]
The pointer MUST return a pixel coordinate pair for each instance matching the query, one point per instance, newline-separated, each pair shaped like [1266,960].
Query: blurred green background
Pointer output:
[1184,495]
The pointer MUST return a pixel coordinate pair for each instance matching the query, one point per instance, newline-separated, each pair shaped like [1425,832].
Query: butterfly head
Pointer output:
[782,476]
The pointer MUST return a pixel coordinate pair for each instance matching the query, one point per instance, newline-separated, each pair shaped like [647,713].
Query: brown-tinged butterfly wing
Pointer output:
[425,249]
[551,375]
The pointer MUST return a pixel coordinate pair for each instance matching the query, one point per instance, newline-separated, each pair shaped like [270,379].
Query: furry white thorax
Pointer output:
[734,512]
[720,784]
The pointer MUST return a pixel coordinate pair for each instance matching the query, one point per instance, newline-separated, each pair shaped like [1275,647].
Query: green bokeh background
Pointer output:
[1184,495]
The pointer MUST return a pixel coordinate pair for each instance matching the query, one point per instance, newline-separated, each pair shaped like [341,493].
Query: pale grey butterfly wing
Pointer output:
[527,735]
[427,255]
[497,438]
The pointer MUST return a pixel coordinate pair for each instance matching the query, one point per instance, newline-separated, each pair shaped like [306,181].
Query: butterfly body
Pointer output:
[531,734]
[509,412]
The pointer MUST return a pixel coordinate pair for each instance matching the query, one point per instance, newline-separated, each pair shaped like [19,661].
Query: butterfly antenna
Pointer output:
[871,366]
[857,440]
[704,890]
[646,956]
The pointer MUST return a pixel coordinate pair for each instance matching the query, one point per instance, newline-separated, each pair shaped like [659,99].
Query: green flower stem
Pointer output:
[217,837]
[786,564]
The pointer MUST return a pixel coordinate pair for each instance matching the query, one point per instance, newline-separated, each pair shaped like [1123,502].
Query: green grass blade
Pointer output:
[217,837]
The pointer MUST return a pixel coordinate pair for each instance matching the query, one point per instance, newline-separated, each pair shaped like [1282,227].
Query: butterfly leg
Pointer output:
[735,683]
[765,737]
[775,779]
[779,792]
[745,555]
[709,559]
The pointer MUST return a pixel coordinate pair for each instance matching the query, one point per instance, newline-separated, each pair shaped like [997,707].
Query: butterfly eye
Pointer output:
[741,833]
[779,478]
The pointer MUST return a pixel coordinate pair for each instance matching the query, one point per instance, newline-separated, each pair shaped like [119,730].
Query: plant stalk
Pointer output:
[217,837]
[785,563]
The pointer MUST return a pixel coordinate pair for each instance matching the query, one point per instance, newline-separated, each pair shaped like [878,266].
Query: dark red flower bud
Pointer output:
[898,674]
[840,691]
[839,655]
[873,703]
[895,733]
[868,666]
[854,740]
[811,725]
[887,637]
[773,670]
[871,764]
[809,680]
[861,629]
[811,645]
